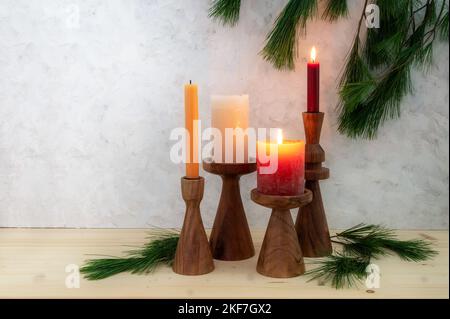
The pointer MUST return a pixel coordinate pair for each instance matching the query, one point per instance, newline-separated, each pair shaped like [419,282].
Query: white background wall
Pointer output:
[86,109]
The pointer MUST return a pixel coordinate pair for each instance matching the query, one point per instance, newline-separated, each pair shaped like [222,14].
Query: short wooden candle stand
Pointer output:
[193,256]
[230,238]
[311,224]
[281,255]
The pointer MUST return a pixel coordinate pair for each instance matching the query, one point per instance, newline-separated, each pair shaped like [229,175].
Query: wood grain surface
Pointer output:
[33,265]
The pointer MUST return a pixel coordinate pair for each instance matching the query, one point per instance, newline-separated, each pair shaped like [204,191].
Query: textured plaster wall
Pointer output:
[91,89]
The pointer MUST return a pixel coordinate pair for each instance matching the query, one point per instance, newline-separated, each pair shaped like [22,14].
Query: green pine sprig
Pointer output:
[360,244]
[281,45]
[160,250]
[375,241]
[340,270]
[377,75]
[226,11]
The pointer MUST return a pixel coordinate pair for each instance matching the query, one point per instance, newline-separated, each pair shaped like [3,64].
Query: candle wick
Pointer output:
[190,81]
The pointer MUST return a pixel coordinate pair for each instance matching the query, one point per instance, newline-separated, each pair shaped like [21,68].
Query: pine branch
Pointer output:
[377,75]
[361,244]
[382,104]
[355,69]
[160,250]
[281,46]
[356,84]
[372,241]
[341,270]
[335,9]
[227,11]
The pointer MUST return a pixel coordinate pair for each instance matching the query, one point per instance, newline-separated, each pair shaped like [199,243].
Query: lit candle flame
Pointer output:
[313,54]
[280,136]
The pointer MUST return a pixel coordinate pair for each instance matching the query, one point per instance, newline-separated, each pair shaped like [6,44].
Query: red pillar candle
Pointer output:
[313,83]
[289,177]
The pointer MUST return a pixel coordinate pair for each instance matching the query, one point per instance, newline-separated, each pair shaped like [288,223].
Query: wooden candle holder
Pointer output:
[281,255]
[230,238]
[311,224]
[193,256]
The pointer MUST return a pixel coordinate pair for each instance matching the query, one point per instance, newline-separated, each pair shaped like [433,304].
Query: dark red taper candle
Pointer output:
[313,83]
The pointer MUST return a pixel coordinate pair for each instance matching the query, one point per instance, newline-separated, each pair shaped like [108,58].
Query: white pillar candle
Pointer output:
[231,112]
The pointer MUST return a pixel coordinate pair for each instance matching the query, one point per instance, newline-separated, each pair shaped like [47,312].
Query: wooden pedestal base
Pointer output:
[230,238]
[281,255]
[312,227]
[193,256]
[311,224]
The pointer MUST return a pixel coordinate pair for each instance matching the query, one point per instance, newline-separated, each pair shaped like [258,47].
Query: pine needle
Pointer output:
[227,11]
[411,250]
[353,93]
[340,270]
[374,241]
[160,250]
[362,230]
[281,46]
[443,27]
[356,69]
[335,9]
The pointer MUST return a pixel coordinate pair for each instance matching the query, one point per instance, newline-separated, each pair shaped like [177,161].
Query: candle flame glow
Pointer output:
[280,136]
[313,54]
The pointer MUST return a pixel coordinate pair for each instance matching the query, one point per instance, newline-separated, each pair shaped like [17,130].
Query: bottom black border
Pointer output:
[255,308]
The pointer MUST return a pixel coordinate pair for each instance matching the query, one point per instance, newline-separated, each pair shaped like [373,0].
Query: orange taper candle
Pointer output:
[191,111]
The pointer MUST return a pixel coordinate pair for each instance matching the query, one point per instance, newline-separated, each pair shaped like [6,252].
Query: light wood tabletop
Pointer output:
[33,264]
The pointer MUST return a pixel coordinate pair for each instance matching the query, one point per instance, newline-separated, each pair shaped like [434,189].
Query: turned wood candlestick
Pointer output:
[311,224]
[281,255]
[230,238]
[193,256]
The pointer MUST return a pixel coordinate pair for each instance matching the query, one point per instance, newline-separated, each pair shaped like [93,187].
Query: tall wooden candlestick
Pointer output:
[311,224]
[230,238]
[193,256]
